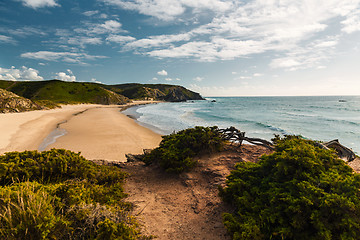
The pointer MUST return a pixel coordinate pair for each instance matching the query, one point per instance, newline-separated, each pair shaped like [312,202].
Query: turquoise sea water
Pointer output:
[319,118]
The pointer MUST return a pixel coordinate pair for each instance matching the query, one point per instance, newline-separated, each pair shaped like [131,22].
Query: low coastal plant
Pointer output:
[298,192]
[58,194]
[177,151]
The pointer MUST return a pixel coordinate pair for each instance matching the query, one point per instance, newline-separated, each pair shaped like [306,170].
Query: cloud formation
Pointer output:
[109,26]
[170,9]
[40,3]
[244,29]
[162,73]
[24,73]
[69,76]
[6,39]
[198,79]
[70,57]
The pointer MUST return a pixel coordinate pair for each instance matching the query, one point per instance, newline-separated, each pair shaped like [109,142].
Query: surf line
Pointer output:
[56,133]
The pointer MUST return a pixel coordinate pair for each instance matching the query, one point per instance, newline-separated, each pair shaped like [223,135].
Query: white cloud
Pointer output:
[156,41]
[321,67]
[24,31]
[95,81]
[242,77]
[352,22]
[6,39]
[162,73]
[168,10]
[120,39]
[285,62]
[65,77]
[168,79]
[24,73]
[154,78]
[233,73]
[40,3]
[109,26]
[83,41]
[177,79]
[90,13]
[198,79]
[258,74]
[70,57]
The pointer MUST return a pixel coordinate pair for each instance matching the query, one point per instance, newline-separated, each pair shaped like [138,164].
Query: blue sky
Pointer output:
[215,47]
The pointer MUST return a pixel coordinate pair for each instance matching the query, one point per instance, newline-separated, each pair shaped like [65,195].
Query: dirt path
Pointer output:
[185,206]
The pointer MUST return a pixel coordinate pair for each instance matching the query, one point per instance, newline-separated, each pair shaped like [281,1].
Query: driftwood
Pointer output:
[236,136]
[343,152]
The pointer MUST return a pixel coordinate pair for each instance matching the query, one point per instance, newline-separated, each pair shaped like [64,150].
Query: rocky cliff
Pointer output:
[10,102]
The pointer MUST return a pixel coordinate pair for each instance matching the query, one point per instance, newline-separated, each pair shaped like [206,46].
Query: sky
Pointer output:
[215,47]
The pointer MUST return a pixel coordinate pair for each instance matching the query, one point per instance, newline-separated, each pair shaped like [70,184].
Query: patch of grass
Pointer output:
[47,104]
[177,151]
[298,192]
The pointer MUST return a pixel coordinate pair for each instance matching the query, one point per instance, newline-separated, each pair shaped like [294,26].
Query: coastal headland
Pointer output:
[97,131]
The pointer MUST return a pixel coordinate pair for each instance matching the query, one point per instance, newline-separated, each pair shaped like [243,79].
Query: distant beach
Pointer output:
[98,132]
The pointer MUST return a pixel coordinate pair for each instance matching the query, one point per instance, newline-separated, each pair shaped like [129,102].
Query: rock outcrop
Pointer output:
[177,94]
[10,102]
[111,98]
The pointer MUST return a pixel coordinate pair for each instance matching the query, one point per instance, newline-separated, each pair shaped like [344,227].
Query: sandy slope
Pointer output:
[185,206]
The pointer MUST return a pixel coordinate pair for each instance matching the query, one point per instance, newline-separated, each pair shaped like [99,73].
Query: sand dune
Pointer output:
[101,132]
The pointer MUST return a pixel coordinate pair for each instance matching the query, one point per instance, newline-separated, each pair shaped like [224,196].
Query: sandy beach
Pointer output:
[97,131]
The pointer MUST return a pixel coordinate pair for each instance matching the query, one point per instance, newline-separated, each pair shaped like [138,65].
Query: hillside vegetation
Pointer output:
[64,92]
[298,192]
[164,92]
[60,92]
[58,194]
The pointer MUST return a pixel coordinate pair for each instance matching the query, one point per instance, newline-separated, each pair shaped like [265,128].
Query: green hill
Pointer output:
[64,92]
[170,93]
[84,92]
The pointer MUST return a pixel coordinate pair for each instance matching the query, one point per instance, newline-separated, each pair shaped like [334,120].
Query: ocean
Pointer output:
[321,118]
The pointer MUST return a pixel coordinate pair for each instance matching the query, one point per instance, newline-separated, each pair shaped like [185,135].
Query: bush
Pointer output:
[298,192]
[27,212]
[54,166]
[58,194]
[176,151]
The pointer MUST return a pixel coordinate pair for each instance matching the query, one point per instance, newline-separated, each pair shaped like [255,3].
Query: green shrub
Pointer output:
[27,212]
[58,194]
[53,166]
[176,151]
[298,192]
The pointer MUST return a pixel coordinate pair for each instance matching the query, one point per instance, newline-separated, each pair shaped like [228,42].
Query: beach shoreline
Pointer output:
[97,131]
